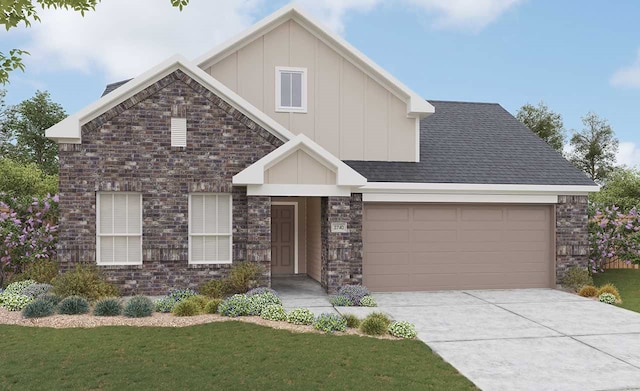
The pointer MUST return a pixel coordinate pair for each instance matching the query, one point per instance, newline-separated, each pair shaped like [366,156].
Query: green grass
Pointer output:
[628,283]
[225,356]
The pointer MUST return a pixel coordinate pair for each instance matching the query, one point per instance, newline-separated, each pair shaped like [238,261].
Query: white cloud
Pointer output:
[123,38]
[628,76]
[628,154]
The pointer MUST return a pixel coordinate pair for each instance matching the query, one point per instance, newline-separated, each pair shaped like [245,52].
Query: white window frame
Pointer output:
[101,235]
[230,234]
[303,94]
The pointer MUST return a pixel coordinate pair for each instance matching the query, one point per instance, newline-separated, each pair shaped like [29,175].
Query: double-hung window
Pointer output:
[291,89]
[210,228]
[119,228]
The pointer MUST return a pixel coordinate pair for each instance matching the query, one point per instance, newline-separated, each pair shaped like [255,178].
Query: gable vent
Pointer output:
[178,132]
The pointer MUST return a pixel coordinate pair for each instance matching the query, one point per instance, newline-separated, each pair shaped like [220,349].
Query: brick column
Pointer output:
[336,249]
[259,233]
[355,229]
[572,245]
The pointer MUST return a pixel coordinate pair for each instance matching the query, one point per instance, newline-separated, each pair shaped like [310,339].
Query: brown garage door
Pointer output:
[465,246]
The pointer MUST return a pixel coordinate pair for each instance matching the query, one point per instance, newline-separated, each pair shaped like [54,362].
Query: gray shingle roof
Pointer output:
[113,86]
[482,143]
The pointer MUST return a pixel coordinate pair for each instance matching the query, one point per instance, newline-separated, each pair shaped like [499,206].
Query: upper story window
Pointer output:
[291,89]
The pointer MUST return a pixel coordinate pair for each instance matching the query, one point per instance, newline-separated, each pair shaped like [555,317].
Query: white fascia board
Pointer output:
[416,105]
[289,190]
[471,188]
[69,129]
[345,175]
[461,198]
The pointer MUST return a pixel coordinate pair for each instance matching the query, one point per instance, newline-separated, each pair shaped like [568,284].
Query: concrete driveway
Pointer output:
[528,339]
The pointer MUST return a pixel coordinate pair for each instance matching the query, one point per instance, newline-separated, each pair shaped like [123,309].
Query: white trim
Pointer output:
[99,235]
[472,188]
[69,129]
[295,228]
[462,198]
[416,105]
[303,93]
[417,140]
[229,235]
[345,175]
[299,190]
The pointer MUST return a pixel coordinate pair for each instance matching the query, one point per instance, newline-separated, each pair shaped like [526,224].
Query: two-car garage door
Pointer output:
[463,246]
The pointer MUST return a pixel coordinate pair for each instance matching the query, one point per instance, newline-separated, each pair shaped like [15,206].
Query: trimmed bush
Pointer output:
[330,323]
[403,329]
[300,316]
[610,288]
[608,298]
[212,306]
[174,296]
[73,305]
[200,301]
[353,322]
[138,307]
[575,278]
[375,324]
[262,300]
[53,299]
[108,307]
[38,309]
[187,308]
[368,301]
[274,312]
[588,291]
[216,289]
[340,301]
[245,276]
[236,305]
[86,281]
[354,293]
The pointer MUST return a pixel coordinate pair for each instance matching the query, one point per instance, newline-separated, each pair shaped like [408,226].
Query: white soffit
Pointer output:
[69,129]
[416,105]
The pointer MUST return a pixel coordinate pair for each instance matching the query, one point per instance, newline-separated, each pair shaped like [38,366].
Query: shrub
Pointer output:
[261,300]
[41,270]
[216,289]
[244,276]
[236,305]
[403,330]
[200,301]
[138,307]
[300,316]
[340,301]
[53,299]
[86,281]
[38,309]
[588,291]
[18,287]
[375,324]
[73,305]
[36,291]
[608,298]
[186,308]
[575,278]
[274,312]
[330,323]
[261,290]
[14,301]
[368,301]
[355,293]
[108,307]
[174,296]
[353,322]
[212,306]
[614,235]
[610,288]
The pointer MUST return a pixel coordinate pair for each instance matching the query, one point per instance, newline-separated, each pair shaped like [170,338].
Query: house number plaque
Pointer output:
[339,227]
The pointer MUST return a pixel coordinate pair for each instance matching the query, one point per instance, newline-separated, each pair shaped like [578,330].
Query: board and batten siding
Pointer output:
[299,168]
[349,114]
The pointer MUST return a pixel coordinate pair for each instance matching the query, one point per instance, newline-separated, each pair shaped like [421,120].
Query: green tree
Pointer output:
[543,122]
[594,148]
[622,189]
[14,12]
[24,132]
[25,180]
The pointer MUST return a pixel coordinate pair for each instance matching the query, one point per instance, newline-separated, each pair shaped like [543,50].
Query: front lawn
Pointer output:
[225,355]
[628,283]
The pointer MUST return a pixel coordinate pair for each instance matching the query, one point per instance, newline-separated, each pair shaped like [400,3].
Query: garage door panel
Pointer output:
[457,247]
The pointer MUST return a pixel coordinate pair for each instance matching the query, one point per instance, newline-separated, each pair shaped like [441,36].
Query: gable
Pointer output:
[355,110]
[299,168]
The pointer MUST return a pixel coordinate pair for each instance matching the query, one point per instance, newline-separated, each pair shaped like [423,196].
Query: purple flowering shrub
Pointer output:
[28,232]
[613,236]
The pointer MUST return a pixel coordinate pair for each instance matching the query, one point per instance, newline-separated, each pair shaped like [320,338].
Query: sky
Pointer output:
[575,55]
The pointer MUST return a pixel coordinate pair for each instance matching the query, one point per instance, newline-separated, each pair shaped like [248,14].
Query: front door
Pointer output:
[282,239]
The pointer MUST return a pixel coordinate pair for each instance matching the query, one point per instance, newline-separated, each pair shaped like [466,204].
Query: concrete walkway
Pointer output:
[529,339]
[302,292]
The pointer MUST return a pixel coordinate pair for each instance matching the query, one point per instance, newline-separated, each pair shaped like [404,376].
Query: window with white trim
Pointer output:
[291,89]
[119,228]
[210,238]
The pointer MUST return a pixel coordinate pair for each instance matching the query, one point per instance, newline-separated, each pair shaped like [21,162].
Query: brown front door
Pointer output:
[282,239]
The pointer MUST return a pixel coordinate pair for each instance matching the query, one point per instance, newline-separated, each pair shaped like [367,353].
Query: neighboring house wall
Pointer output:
[572,245]
[348,113]
[299,168]
[129,149]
